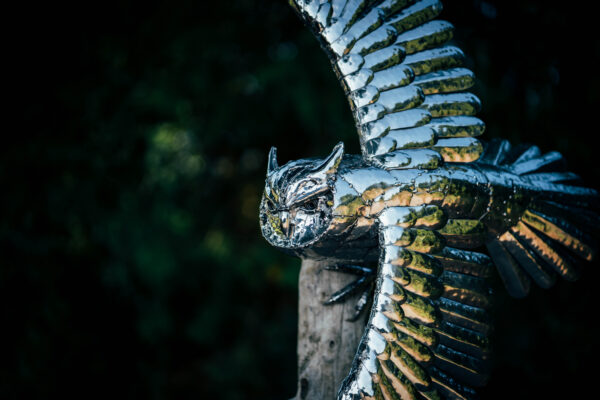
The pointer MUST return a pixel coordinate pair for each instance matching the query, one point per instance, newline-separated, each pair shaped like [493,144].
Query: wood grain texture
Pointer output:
[327,342]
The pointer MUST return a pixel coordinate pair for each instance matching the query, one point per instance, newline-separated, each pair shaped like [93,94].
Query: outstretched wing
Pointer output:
[406,86]
[557,231]
[427,335]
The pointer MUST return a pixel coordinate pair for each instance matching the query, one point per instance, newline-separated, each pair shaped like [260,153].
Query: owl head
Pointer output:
[295,211]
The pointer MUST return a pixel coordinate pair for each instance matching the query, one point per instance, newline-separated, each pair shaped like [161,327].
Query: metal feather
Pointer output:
[423,201]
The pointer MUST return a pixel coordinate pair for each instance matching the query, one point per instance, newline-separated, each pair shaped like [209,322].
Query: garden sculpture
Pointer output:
[412,215]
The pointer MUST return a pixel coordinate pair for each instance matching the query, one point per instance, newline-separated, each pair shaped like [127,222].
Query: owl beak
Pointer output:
[284,216]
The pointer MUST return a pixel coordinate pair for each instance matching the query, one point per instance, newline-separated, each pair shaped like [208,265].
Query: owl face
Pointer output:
[295,211]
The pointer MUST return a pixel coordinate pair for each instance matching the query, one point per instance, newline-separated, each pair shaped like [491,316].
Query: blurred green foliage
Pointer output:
[133,264]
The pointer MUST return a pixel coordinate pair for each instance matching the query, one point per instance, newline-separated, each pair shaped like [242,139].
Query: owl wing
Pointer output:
[427,334]
[405,85]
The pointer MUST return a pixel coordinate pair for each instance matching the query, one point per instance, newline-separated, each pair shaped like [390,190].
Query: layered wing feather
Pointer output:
[558,228]
[405,84]
[427,335]
[408,90]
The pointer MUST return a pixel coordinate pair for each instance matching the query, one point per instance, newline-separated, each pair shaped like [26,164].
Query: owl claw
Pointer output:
[362,285]
[366,276]
[341,295]
[351,269]
[361,303]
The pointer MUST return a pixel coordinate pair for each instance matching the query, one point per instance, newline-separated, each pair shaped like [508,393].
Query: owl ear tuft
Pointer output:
[272,164]
[332,162]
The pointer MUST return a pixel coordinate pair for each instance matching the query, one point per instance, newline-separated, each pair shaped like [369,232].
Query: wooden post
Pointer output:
[327,342]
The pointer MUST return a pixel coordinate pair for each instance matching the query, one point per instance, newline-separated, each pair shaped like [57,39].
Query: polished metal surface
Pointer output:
[422,202]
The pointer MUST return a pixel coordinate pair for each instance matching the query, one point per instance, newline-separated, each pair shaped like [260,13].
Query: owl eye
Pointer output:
[311,205]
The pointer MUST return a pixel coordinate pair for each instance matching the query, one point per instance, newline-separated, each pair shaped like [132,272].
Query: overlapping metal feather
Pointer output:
[557,231]
[406,86]
[427,335]
[407,90]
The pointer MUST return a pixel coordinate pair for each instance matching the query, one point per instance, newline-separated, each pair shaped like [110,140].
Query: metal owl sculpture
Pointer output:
[422,196]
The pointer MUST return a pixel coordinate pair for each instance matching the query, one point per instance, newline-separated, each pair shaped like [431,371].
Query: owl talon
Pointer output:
[366,274]
[351,269]
[361,304]
[352,288]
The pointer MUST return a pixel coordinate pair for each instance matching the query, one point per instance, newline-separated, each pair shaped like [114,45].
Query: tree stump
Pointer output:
[327,342]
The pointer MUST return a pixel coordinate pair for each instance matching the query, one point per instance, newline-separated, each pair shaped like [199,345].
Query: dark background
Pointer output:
[132,165]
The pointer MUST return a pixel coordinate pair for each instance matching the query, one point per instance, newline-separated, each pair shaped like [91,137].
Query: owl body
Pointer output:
[425,229]
[427,212]
[357,193]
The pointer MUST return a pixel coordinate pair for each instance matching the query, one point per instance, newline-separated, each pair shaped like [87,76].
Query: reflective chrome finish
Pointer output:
[424,193]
